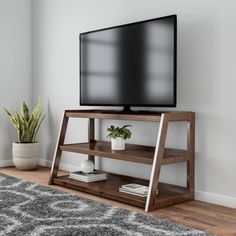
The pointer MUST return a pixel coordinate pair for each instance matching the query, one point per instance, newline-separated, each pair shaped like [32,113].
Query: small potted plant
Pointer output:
[118,136]
[25,152]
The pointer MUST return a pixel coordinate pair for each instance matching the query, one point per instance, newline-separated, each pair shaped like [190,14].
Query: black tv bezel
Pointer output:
[174,16]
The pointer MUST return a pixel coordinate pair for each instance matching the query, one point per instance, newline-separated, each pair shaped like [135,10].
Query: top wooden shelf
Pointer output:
[118,115]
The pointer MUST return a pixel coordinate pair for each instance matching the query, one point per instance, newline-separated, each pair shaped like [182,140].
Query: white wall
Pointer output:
[15,66]
[206,81]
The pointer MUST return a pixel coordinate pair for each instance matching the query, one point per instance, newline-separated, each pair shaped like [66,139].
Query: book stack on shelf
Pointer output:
[135,189]
[96,175]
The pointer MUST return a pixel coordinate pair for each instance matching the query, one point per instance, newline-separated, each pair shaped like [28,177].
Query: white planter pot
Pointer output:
[25,155]
[117,144]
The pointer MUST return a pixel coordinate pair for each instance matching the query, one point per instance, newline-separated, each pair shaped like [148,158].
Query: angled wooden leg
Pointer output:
[57,153]
[191,154]
[91,135]
[156,166]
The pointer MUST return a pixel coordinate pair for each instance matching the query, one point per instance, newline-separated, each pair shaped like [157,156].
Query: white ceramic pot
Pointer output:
[25,155]
[117,144]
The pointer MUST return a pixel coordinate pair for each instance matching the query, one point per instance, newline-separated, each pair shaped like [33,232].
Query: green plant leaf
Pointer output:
[37,128]
[26,111]
[8,113]
[37,109]
[123,132]
[27,125]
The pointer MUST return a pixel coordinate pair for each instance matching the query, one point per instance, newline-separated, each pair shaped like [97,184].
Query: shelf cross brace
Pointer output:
[156,166]
[58,152]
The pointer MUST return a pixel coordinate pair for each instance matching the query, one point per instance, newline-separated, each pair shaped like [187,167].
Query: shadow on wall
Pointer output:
[52,131]
[8,138]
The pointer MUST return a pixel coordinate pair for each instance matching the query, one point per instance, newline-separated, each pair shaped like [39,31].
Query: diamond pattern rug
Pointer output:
[30,209]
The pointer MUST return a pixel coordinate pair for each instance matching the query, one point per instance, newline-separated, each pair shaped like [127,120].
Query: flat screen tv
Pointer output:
[130,65]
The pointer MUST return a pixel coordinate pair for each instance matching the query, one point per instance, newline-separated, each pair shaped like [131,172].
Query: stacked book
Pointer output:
[96,175]
[135,189]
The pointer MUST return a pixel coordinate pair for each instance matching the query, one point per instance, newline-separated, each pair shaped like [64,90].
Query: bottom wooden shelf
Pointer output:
[168,194]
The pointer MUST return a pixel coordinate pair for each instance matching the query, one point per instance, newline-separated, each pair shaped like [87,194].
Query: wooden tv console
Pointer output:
[156,156]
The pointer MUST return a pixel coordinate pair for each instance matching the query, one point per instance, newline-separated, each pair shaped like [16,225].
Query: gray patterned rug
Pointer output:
[31,209]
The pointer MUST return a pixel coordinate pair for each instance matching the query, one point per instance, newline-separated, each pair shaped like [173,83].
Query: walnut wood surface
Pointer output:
[157,161]
[114,115]
[191,154]
[91,136]
[58,152]
[136,153]
[133,153]
[110,189]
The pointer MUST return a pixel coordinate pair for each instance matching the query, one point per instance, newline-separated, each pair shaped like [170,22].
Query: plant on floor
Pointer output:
[25,152]
[27,124]
[117,132]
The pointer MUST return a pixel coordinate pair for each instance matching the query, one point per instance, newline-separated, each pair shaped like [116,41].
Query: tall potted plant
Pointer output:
[25,152]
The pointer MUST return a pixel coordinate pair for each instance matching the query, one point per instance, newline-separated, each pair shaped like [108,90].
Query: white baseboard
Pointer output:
[215,199]
[46,163]
[6,163]
[199,195]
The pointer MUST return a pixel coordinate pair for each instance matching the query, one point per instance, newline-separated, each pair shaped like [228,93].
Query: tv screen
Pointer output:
[130,65]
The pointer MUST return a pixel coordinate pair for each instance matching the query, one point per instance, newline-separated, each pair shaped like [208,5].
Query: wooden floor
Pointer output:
[204,216]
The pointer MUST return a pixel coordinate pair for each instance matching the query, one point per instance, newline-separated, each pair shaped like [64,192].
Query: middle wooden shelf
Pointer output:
[133,153]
